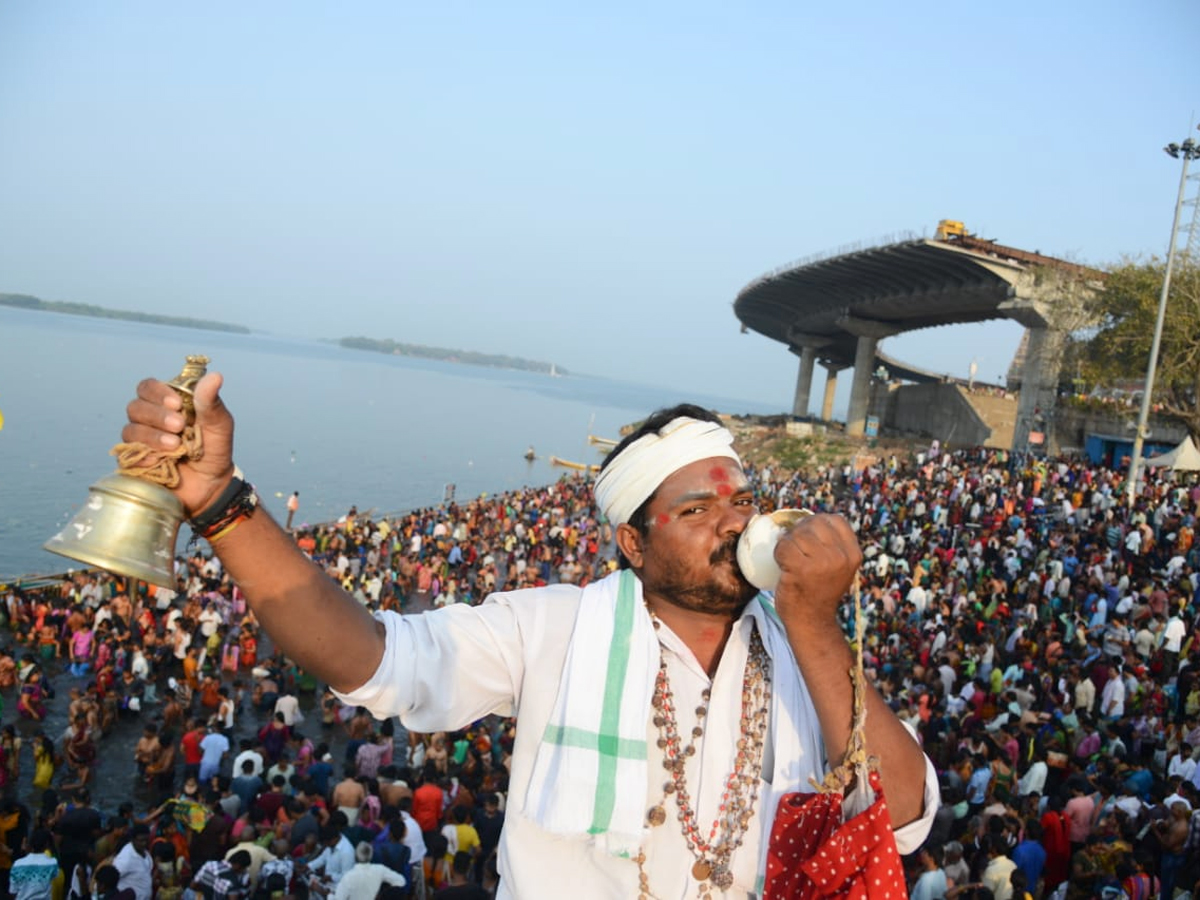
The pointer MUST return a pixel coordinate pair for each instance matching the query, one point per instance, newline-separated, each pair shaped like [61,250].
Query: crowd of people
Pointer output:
[1041,638]
[248,777]
[1038,635]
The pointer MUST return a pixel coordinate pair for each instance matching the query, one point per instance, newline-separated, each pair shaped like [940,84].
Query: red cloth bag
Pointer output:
[814,854]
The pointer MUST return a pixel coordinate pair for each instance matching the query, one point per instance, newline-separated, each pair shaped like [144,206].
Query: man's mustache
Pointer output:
[727,552]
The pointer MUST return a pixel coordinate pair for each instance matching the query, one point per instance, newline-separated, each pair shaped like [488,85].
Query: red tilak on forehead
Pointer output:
[718,473]
[724,489]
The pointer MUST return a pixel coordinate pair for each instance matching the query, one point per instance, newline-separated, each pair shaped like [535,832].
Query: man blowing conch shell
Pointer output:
[662,711]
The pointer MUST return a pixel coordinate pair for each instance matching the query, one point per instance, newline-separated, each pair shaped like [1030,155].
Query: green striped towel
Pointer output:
[596,737]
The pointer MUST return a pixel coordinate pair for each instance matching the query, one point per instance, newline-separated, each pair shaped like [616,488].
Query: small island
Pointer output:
[469,357]
[25,301]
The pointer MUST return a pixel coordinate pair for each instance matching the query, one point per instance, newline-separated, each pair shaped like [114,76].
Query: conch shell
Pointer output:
[756,546]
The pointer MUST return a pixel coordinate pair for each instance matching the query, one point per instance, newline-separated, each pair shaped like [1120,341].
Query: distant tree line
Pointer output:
[445,354]
[25,301]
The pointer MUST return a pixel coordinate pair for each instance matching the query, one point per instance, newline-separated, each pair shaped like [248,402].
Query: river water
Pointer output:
[342,427]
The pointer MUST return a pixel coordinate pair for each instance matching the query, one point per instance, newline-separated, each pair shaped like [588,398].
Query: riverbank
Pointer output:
[773,442]
[26,301]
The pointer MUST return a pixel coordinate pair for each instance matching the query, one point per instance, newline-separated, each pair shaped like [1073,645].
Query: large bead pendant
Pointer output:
[722,878]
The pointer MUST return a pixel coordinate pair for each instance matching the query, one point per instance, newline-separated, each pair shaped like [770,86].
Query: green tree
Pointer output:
[1120,348]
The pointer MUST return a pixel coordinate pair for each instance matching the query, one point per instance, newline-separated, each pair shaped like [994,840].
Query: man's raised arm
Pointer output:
[307,615]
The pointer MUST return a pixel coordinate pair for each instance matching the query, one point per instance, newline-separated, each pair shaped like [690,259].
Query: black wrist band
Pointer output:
[217,510]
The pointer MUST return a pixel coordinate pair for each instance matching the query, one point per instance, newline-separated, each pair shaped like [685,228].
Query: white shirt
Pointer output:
[1033,781]
[251,755]
[225,715]
[450,833]
[209,619]
[1131,806]
[135,871]
[507,655]
[918,597]
[1112,702]
[948,675]
[290,707]
[139,666]
[1176,798]
[287,770]
[365,880]
[1183,766]
[414,840]
[939,643]
[335,861]
[1172,635]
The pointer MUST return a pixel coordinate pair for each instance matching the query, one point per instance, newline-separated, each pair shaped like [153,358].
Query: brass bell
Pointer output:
[129,525]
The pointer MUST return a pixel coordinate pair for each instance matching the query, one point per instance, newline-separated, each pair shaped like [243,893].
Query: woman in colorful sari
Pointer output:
[1136,878]
[10,745]
[47,642]
[248,644]
[80,644]
[1056,842]
[8,671]
[32,701]
[43,762]
[230,655]
[80,752]
[274,737]
[305,754]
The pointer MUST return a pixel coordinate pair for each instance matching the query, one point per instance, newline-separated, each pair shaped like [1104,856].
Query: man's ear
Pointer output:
[630,543]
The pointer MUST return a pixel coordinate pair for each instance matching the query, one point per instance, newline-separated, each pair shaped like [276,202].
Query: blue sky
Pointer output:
[588,184]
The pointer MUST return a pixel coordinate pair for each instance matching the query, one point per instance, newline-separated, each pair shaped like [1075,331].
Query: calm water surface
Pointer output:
[343,427]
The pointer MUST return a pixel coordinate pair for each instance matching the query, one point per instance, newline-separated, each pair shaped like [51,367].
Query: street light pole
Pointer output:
[1188,150]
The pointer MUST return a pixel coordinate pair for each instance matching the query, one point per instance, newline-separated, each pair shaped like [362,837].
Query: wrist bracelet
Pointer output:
[242,507]
[211,513]
[236,503]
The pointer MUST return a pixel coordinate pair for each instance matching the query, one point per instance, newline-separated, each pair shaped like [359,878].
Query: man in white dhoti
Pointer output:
[662,711]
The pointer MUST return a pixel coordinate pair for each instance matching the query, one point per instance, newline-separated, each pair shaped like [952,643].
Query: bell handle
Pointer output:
[184,384]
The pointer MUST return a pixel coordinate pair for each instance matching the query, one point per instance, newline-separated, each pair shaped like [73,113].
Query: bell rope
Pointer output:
[856,761]
[162,466]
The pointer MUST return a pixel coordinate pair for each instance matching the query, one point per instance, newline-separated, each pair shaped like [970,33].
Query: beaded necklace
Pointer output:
[714,851]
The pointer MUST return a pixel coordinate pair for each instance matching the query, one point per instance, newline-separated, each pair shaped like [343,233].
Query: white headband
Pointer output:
[636,472]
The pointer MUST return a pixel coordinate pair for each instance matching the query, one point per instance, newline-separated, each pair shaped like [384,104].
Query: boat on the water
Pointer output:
[597,441]
[577,466]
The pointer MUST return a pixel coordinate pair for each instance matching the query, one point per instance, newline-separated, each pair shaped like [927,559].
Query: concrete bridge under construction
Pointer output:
[836,310]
